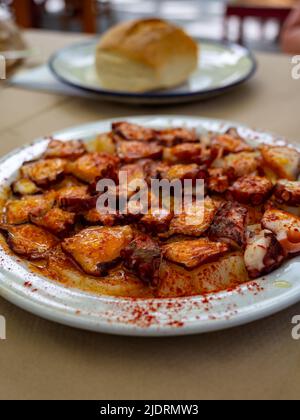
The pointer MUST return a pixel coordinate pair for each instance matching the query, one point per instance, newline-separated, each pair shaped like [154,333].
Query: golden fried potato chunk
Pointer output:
[287,192]
[44,172]
[97,249]
[131,151]
[72,149]
[56,221]
[193,253]
[286,228]
[251,189]
[19,211]
[103,143]
[29,241]
[24,186]
[93,166]
[284,161]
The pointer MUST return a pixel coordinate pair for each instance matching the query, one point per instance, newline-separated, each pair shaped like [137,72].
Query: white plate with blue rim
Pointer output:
[141,317]
[222,67]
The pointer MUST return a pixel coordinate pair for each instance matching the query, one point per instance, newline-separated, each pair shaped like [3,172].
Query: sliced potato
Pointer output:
[102,144]
[176,281]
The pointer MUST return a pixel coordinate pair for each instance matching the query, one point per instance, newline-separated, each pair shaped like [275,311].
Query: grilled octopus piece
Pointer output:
[97,249]
[229,224]
[93,217]
[76,199]
[143,257]
[73,149]
[251,189]
[131,151]
[286,228]
[57,221]
[231,142]
[263,253]
[173,136]
[93,166]
[220,179]
[157,221]
[44,172]
[244,163]
[193,253]
[287,192]
[194,221]
[133,132]
[29,241]
[19,211]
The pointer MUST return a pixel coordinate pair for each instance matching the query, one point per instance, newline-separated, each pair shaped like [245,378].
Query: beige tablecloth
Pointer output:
[40,359]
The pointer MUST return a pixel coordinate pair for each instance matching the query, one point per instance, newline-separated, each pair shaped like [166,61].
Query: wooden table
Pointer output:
[43,360]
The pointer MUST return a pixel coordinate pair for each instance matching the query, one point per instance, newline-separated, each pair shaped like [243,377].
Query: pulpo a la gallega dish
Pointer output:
[248,225]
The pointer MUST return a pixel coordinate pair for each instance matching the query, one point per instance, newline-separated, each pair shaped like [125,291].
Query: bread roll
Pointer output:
[143,55]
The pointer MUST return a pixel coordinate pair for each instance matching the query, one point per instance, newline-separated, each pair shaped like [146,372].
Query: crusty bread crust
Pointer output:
[152,42]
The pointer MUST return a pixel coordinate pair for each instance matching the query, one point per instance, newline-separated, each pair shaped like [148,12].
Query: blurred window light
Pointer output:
[55,6]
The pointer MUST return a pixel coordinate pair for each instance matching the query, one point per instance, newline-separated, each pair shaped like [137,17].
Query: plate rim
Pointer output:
[156,96]
[249,314]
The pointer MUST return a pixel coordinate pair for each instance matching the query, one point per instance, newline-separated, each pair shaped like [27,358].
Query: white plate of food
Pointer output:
[126,68]
[152,275]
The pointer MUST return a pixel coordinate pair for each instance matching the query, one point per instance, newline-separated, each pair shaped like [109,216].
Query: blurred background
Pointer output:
[255,23]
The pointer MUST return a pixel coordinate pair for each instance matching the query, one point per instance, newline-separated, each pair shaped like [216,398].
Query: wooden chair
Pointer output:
[24,13]
[28,13]
[262,13]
